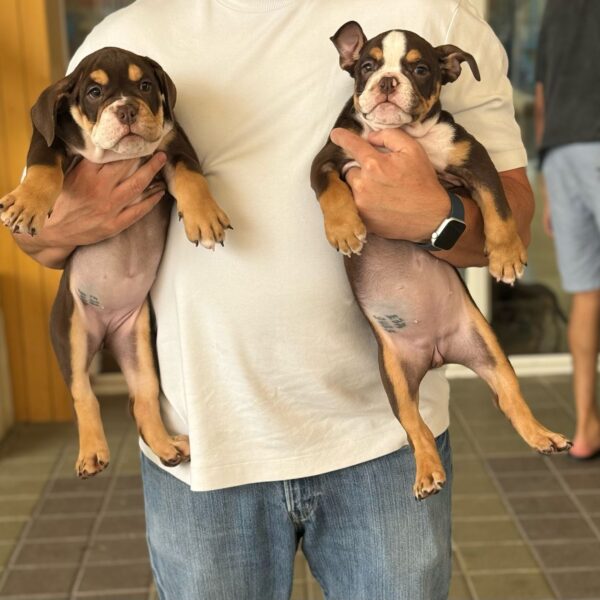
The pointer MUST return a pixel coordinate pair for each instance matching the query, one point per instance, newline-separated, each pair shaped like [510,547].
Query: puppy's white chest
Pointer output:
[437,141]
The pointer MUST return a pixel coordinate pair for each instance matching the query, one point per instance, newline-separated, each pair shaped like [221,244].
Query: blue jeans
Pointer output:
[364,535]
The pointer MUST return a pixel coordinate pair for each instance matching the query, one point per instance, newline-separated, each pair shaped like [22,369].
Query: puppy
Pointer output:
[115,105]
[417,306]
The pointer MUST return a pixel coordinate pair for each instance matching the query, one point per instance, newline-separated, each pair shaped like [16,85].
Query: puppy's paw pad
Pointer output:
[91,463]
[176,451]
[429,485]
[206,228]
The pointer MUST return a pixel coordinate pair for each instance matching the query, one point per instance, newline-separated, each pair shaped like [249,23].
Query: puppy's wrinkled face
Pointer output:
[398,75]
[119,103]
[397,78]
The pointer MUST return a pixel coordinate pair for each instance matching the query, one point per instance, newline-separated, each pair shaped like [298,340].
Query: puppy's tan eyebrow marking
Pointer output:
[135,73]
[99,76]
[376,53]
[413,55]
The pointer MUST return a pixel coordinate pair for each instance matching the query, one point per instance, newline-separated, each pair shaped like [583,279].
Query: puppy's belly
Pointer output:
[114,276]
[415,302]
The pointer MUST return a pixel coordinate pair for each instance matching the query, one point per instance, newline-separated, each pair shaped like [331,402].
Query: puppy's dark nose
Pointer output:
[388,84]
[127,114]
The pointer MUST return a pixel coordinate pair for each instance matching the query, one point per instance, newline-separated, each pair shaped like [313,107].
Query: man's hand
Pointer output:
[97,202]
[397,192]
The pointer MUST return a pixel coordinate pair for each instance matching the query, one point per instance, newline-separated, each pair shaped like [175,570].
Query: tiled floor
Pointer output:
[525,526]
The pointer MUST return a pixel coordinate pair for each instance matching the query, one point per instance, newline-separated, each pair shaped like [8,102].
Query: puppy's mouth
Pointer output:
[387,113]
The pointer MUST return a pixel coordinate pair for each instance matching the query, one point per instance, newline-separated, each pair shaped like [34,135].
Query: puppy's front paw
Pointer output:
[25,212]
[507,258]
[91,461]
[205,224]
[173,450]
[430,479]
[346,233]
[543,440]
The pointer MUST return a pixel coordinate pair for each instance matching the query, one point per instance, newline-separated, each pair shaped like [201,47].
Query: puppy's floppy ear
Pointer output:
[349,40]
[167,87]
[44,111]
[450,59]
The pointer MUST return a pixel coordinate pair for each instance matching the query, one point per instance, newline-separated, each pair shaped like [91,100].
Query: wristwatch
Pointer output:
[450,229]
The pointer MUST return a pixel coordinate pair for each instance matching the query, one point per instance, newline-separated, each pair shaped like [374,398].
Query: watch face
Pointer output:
[450,234]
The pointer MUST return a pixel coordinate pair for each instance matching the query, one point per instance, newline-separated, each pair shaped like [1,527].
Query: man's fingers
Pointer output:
[153,188]
[135,185]
[395,140]
[130,215]
[352,175]
[359,149]
[119,169]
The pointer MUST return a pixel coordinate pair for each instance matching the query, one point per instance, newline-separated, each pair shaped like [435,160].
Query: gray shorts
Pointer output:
[572,175]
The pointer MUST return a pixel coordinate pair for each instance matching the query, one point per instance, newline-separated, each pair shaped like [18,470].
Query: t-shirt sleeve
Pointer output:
[484,108]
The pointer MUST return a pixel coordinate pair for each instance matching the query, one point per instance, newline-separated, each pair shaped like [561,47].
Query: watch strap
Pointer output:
[457,211]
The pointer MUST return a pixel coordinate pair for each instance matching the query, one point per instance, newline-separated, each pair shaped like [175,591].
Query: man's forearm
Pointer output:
[468,251]
[43,249]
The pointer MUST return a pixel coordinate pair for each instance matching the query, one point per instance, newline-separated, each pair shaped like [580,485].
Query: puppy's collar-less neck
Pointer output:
[256,6]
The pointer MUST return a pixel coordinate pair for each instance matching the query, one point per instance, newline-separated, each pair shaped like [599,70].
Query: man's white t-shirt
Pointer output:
[265,359]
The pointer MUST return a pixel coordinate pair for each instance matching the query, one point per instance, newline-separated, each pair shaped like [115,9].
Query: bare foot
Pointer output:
[586,443]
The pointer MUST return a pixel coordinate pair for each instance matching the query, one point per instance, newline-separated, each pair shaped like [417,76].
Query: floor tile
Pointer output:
[512,586]
[103,550]
[39,553]
[557,528]
[485,531]
[459,589]
[556,504]
[465,483]
[55,580]
[82,505]
[11,529]
[529,483]
[115,577]
[590,502]
[127,596]
[74,485]
[582,481]
[464,506]
[62,527]
[517,464]
[126,501]
[570,554]
[6,551]
[12,487]
[577,585]
[116,524]
[514,556]
[17,507]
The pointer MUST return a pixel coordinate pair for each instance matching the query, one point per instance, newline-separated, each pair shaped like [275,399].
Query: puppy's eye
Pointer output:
[145,86]
[421,70]
[367,67]
[95,91]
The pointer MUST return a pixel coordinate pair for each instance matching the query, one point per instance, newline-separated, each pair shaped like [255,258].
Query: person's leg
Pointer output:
[584,322]
[237,543]
[573,184]
[367,538]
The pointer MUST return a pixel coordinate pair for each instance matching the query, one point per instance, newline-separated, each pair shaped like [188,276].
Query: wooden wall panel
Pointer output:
[26,288]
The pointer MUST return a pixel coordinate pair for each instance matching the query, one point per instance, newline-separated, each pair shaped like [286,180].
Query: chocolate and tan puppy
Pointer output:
[420,311]
[115,105]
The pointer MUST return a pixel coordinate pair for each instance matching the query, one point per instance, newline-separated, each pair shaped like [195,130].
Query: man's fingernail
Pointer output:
[162,157]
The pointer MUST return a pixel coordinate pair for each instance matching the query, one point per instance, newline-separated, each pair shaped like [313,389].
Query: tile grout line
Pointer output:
[573,497]
[32,515]
[94,530]
[473,440]
[463,571]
